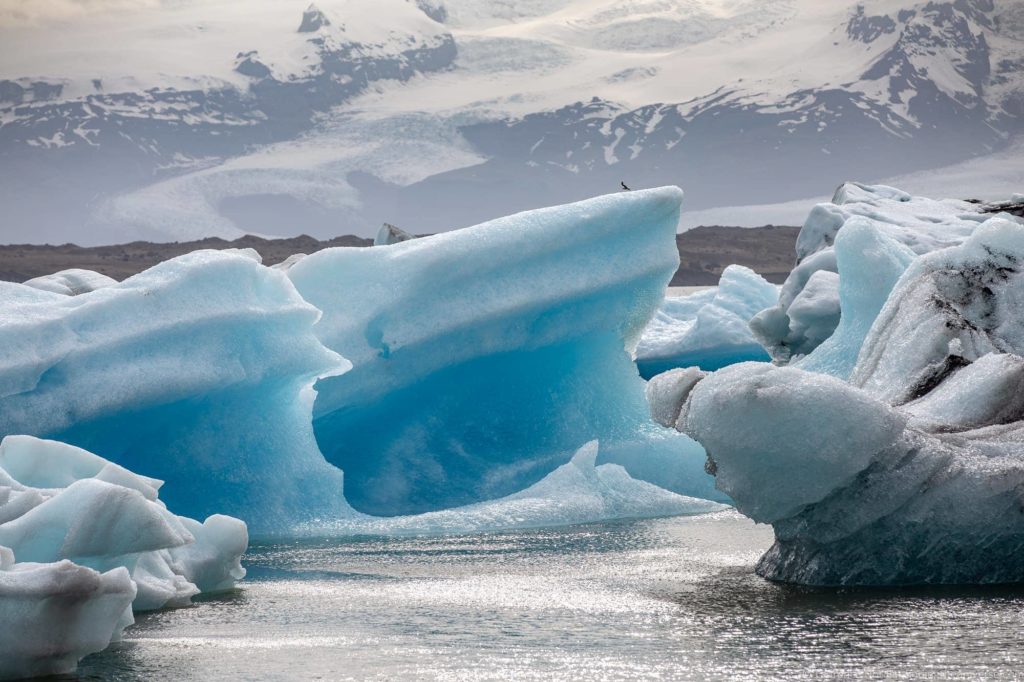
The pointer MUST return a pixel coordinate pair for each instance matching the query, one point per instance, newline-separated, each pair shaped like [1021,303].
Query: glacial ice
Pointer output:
[708,329]
[54,615]
[918,223]
[92,543]
[870,263]
[390,234]
[483,358]
[71,282]
[200,371]
[911,470]
[579,491]
[196,372]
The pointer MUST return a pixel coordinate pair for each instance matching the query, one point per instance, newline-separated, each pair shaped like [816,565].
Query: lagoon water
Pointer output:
[655,599]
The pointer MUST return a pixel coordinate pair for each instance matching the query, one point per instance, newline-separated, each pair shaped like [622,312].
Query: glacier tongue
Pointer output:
[483,358]
[912,469]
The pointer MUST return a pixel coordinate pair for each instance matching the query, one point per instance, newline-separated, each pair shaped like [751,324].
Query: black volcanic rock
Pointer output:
[313,20]
[703,253]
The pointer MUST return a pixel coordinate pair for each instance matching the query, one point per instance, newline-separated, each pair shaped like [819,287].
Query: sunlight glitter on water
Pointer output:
[658,599]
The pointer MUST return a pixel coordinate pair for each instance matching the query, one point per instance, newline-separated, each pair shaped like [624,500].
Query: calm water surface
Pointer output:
[660,599]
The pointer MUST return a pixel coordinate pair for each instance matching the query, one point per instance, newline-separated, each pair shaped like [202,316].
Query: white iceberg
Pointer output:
[92,543]
[709,329]
[920,224]
[912,471]
[60,502]
[53,615]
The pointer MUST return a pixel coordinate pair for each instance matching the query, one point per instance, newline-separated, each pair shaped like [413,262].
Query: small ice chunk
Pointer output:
[709,329]
[288,262]
[53,615]
[391,234]
[71,282]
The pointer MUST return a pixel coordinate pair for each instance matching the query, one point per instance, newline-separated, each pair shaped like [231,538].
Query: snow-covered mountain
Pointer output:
[174,119]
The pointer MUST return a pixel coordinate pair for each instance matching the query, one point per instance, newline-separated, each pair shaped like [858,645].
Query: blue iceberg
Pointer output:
[436,373]
[482,359]
[196,372]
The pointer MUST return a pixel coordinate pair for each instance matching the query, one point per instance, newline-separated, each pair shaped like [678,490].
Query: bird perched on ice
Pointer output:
[624,188]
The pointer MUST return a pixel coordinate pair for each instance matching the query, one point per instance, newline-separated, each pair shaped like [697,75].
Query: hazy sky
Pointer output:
[13,12]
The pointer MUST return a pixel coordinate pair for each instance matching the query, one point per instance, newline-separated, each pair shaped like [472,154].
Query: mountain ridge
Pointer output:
[445,113]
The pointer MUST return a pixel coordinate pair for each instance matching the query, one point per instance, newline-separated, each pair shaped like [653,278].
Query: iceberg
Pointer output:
[59,502]
[438,372]
[483,358]
[808,306]
[55,614]
[390,234]
[909,467]
[870,262]
[83,543]
[709,329]
[196,372]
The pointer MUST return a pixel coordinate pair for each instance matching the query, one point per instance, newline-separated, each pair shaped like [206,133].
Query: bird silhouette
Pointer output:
[624,187]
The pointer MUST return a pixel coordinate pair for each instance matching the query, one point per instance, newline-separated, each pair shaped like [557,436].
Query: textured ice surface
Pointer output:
[71,282]
[870,262]
[483,358]
[92,542]
[61,502]
[196,372]
[920,224]
[913,470]
[709,329]
[52,615]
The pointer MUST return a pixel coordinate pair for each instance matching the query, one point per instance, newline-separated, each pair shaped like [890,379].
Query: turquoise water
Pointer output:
[658,599]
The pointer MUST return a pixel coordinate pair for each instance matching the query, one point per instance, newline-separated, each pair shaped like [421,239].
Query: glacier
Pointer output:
[891,454]
[708,329]
[85,542]
[435,373]
[482,359]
